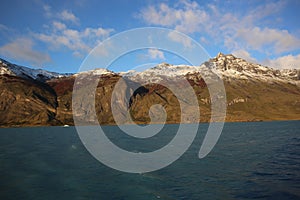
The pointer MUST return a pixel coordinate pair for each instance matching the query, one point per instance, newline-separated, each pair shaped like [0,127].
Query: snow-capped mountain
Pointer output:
[25,72]
[43,75]
[253,92]
[160,72]
[225,66]
[238,68]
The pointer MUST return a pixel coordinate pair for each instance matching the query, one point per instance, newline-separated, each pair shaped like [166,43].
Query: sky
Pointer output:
[59,35]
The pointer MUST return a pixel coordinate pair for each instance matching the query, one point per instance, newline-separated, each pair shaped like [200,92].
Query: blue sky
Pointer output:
[57,35]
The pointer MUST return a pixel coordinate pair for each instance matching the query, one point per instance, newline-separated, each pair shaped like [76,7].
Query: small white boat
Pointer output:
[66,125]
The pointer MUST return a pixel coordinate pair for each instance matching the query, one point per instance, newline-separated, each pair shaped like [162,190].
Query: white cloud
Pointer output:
[243,31]
[264,10]
[187,18]
[280,40]
[77,54]
[58,35]
[160,16]
[284,62]
[47,10]
[156,54]
[203,40]
[247,32]
[59,25]
[178,37]
[78,41]
[66,15]
[22,49]
[3,28]
[241,53]
[232,30]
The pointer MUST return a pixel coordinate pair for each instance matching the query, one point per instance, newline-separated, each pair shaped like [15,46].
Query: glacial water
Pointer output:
[257,160]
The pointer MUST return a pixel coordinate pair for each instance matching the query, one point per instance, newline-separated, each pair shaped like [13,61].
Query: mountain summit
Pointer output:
[230,66]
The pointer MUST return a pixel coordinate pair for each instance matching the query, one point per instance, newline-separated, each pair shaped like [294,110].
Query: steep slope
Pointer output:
[26,102]
[64,87]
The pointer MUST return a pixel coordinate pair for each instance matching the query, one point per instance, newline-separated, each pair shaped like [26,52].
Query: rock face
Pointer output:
[253,93]
[26,102]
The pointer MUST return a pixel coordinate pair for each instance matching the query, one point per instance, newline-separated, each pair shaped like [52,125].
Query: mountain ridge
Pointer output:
[254,92]
[224,64]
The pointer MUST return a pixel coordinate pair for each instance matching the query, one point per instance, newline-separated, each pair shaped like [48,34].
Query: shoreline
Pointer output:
[71,126]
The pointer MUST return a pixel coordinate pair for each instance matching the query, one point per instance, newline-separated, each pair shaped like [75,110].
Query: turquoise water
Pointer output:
[250,161]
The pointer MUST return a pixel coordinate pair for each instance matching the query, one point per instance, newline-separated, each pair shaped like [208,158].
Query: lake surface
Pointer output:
[258,160]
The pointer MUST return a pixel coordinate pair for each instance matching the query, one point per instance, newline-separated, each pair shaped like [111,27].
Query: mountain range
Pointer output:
[36,97]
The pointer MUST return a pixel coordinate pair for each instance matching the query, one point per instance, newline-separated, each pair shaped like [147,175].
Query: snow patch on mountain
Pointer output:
[231,67]
[226,66]
[25,72]
[95,72]
[161,72]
